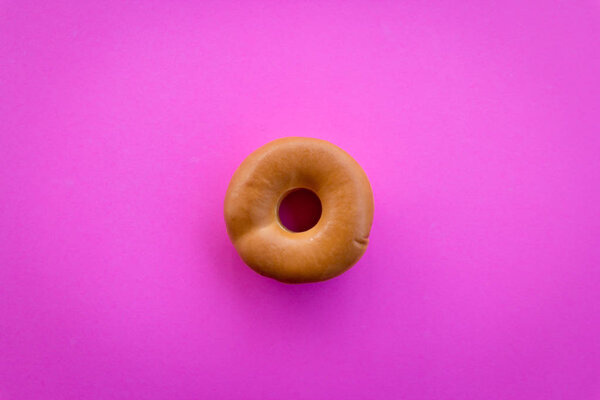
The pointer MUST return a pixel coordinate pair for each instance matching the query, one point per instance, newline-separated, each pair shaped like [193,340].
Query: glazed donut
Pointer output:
[265,177]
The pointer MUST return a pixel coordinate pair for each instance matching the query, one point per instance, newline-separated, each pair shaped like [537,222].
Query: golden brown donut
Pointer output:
[266,176]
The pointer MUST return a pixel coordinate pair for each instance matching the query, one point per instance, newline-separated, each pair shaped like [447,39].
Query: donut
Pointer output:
[266,177]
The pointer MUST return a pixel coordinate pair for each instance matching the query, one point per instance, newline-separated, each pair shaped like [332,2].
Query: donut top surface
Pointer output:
[266,176]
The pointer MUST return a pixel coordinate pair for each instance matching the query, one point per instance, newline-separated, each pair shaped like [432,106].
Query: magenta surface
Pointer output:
[478,125]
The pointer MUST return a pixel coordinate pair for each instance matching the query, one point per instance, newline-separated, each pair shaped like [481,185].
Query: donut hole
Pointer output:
[299,210]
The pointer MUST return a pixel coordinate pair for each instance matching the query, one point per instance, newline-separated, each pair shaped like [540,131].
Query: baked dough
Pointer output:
[266,176]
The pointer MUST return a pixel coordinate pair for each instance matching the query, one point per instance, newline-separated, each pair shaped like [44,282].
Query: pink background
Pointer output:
[477,123]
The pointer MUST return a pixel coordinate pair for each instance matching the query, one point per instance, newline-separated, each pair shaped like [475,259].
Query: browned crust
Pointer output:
[334,244]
